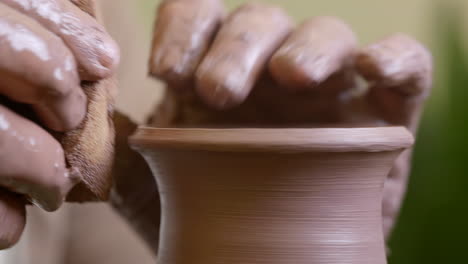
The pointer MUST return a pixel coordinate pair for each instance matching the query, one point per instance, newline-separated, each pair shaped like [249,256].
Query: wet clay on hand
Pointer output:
[40,79]
[39,44]
[96,52]
[183,32]
[32,162]
[37,69]
[242,47]
[318,48]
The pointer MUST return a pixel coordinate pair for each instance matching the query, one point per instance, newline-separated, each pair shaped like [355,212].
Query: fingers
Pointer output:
[394,192]
[12,219]
[37,68]
[317,49]
[400,72]
[96,52]
[184,30]
[241,49]
[32,162]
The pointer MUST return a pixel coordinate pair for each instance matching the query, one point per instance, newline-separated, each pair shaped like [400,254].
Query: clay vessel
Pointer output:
[271,196]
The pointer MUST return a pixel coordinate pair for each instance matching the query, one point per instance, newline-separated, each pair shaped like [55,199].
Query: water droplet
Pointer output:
[21,38]
[69,63]
[58,74]
[4,124]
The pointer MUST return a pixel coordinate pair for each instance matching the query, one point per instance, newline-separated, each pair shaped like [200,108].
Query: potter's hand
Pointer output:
[254,68]
[46,48]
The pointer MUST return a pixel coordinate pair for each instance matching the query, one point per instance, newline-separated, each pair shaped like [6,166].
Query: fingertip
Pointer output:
[166,65]
[12,219]
[220,90]
[52,190]
[183,33]
[317,49]
[398,61]
[110,55]
[289,71]
[63,113]
[240,53]
[102,62]
[35,165]
[399,70]
[97,53]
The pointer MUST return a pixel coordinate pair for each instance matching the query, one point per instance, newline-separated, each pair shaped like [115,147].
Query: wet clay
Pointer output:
[311,54]
[244,44]
[37,69]
[271,195]
[96,52]
[182,37]
[41,85]
[32,162]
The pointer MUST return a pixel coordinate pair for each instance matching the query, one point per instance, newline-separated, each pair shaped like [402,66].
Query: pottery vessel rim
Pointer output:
[365,139]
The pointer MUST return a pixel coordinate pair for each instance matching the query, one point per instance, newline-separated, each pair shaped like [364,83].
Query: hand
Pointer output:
[47,47]
[254,68]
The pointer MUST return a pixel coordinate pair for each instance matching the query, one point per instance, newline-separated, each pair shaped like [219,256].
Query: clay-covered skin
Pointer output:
[181,40]
[312,53]
[242,47]
[32,167]
[317,76]
[96,52]
[37,69]
[47,48]
[32,162]
[13,215]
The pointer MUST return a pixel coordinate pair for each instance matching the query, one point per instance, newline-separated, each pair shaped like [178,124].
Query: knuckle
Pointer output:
[262,7]
[166,64]
[55,93]
[49,195]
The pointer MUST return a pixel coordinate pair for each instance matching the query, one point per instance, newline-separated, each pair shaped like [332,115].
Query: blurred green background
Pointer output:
[433,224]
[433,227]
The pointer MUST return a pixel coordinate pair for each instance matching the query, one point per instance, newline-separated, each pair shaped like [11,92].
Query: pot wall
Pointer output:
[275,208]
